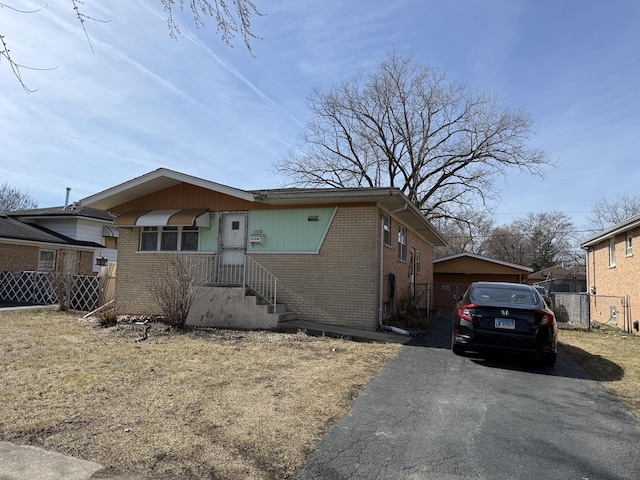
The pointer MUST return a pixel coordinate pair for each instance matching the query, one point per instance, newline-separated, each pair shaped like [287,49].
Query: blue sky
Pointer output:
[142,101]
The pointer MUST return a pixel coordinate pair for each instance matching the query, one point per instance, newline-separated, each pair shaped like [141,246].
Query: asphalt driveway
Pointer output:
[433,415]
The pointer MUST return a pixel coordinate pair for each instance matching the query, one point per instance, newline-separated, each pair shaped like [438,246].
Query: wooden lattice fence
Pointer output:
[35,288]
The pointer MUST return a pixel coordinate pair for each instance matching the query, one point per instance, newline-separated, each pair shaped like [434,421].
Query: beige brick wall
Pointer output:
[392,263]
[132,293]
[23,257]
[337,286]
[624,278]
[18,257]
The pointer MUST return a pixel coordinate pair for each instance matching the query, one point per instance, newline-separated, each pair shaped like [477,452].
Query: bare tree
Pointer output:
[464,235]
[539,240]
[611,211]
[407,126]
[14,199]
[231,17]
[173,285]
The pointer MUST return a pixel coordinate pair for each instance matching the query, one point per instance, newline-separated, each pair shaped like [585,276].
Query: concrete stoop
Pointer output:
[232,307]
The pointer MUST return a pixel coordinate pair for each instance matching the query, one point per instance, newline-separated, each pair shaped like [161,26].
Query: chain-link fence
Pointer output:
[571,309]
[585,310]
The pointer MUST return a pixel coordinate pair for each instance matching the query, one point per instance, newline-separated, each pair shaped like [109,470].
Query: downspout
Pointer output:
[381,279]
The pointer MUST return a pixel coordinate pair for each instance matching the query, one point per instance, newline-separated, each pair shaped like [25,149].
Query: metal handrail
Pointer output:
[260,280]
[209,270]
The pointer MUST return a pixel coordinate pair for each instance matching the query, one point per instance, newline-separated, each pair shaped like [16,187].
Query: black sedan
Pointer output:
[504,316]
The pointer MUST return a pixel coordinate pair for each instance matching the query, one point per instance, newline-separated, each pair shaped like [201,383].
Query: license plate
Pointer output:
[506,323]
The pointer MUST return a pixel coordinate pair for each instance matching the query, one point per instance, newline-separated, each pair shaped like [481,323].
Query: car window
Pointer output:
[504,295]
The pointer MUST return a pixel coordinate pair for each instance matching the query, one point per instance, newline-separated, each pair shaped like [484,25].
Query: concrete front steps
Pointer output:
[232,307]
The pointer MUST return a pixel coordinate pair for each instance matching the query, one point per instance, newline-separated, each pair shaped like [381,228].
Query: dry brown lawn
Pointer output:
[612,358]
[199,404]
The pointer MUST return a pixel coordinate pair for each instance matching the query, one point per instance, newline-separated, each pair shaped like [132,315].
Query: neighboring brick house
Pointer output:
[76,225]
[613,269]
[28,247]
[454,273]
[331,250]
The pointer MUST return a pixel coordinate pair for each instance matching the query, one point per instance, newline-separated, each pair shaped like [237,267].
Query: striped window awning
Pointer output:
[162,218]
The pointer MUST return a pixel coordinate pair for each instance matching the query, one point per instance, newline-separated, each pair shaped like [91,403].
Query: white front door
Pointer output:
[232,247]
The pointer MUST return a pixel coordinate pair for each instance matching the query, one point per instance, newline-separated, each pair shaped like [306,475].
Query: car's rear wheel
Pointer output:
[456,348]
[548,359]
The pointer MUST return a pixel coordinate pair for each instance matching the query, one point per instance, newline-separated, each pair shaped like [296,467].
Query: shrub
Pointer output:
[174,287]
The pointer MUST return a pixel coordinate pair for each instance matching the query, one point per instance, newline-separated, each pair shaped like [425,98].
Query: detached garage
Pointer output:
[454,273]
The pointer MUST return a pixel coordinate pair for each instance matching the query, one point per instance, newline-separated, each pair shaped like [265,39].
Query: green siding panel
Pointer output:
[289,230]
[209,236]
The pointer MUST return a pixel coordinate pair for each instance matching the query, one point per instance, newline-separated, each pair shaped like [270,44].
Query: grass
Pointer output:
[200,404]
[208,403]
[610,357]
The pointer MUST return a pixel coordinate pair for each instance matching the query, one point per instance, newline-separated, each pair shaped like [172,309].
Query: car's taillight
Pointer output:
[464,313]
[547,318]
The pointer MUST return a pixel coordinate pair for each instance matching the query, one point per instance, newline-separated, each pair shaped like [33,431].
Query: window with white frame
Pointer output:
[629,244]
[386,220]
[149,239]
[417,254]
[169,239]
[47,260]
[402,243]
[612,252]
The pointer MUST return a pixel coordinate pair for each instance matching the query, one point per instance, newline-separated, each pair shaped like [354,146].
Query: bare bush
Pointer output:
[405,311]
[108,314]
[174,287]
[61,277]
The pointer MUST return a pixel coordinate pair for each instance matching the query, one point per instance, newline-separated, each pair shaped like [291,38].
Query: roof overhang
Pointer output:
[390,200]
[152,182]
[48,245]
[484,259]
[162,218]
[617,229]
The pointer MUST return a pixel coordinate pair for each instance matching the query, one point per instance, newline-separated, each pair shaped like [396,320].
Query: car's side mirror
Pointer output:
[457,297]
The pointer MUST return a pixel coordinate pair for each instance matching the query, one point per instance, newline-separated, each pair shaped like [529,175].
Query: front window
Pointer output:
[149,239]
[402,243]
[629,245]
[189,239]
[612,252]
[169,239]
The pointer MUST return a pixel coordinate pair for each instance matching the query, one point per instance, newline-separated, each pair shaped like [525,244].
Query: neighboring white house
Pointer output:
[78,223]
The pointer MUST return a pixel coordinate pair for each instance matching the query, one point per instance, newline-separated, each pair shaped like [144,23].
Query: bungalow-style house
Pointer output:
[454,273]
[613,272]
[328,254]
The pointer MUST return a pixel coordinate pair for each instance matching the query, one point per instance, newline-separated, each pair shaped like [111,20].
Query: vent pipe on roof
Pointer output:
[66,201]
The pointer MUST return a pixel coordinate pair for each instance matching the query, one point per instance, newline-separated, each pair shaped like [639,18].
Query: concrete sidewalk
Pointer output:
[337,331]
[20,462]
